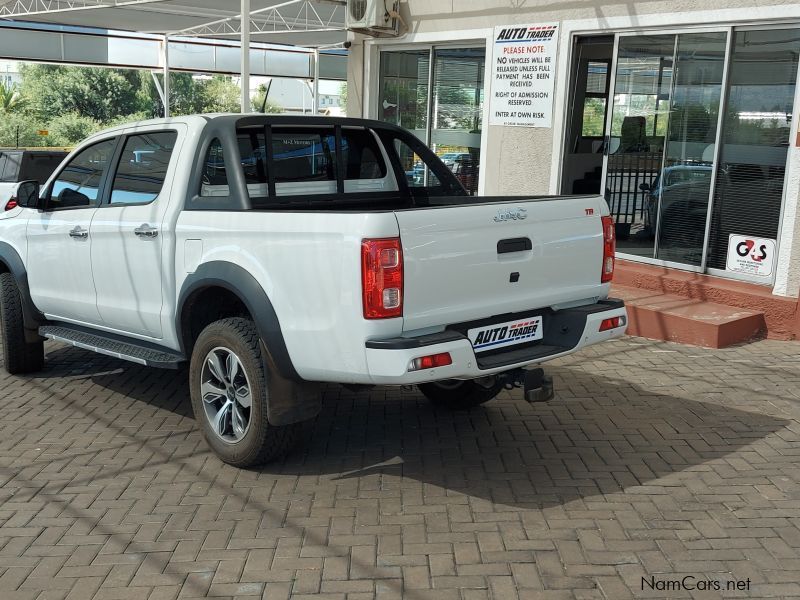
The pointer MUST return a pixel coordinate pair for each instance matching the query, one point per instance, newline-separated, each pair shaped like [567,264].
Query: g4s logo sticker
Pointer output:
[745,247]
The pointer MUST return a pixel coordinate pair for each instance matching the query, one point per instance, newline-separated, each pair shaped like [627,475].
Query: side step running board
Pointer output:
[115,346]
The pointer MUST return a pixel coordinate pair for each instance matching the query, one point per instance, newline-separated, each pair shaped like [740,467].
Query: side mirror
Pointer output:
[645,187]
[27,194]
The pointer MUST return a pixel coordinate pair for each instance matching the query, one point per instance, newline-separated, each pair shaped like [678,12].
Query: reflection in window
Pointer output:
[458,111]
[594,117]
[361,155]
[214,180]
[78,184]
[253,153]
[301,156]
[689,153]
[142,167]
[404,89]
[415,170]
[755,138]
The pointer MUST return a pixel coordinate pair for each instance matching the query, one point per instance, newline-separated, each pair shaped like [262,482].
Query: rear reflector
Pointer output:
[382,278]
[609,248]
[612,323]
[429,362]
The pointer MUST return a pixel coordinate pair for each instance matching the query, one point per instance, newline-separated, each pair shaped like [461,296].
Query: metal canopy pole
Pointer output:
[245,70]
[165,91]
[315,109]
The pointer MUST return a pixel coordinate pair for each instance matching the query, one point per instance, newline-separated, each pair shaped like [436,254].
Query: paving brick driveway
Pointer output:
[655,460]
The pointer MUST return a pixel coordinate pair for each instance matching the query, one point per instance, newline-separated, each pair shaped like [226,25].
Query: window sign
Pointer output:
[750,255]
[523,75]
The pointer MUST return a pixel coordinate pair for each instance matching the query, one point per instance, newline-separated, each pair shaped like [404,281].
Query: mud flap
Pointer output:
[289,401]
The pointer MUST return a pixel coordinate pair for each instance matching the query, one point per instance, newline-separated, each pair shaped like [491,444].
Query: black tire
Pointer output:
[460,395]
[261,442]
[19,356]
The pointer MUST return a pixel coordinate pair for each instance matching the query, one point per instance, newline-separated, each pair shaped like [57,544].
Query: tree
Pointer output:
[190,94]
[10,98]
[70,128]
[258,101]
[220,94]
[19,129]
[100,94]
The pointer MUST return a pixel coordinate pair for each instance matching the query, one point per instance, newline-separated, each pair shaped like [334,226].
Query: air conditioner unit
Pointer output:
[373,17]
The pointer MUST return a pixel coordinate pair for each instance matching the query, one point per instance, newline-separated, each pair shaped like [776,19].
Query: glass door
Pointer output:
[697,143]
[755,142]
[662,143]
[437,93]
[637,128]
[458,111]
[680,195]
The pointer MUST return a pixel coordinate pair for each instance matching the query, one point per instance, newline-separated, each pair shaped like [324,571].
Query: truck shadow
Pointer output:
[599,436]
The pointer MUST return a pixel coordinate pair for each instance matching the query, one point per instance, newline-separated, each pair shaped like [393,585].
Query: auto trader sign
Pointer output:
[523,75]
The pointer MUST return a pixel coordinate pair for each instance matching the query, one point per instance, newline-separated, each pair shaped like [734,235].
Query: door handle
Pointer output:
[78,233]
[146,230]
[519,244]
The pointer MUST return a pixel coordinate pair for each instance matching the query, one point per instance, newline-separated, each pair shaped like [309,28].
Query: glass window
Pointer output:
[596,77]
[404,90]
[142,167]
[594,117]
[39,167]
[304,155]
[361,155]
[214,180]
[425,178]
[78,184]
[3,162]
[9,168]
[755,138]
[252,150]
[679,205]
[458,111]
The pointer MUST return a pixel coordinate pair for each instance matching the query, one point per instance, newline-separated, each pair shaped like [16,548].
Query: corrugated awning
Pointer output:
[310,23]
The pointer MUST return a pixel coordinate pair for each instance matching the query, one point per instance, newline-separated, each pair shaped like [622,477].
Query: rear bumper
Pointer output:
[565,331]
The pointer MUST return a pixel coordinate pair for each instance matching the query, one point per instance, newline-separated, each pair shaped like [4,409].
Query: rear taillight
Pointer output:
[382,278]
[612,323]
[11,204]
[609,248]
[431,361]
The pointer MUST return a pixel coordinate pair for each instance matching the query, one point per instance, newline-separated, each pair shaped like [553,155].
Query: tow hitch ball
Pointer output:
[537,386]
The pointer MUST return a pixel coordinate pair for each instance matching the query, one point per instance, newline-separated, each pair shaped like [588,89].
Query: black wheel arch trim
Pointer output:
[240,282]
[31,316]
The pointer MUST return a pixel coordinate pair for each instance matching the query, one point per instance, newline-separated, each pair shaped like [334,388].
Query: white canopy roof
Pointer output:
[311,23]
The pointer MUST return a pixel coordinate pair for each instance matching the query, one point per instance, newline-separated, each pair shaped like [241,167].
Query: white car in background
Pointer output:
[20,165]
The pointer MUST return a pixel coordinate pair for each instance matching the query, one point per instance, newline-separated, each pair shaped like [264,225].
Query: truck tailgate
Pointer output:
[469,262]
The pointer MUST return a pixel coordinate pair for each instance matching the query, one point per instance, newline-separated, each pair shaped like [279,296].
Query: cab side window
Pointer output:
[78,184]
[142,167]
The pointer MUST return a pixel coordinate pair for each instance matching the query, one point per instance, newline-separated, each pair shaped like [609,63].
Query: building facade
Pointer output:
[682,114]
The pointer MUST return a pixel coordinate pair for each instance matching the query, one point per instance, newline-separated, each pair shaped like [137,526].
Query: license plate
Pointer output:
[499,335]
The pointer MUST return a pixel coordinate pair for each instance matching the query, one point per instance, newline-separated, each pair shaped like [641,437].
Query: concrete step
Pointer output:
[675,318]
[781,313]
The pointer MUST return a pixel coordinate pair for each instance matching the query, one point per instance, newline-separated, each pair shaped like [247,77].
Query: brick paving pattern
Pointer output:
[654,460]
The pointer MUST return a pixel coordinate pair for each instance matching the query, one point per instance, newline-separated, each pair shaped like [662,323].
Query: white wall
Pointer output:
[527,160]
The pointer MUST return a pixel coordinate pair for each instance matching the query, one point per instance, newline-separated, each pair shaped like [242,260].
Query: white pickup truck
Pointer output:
[275,253]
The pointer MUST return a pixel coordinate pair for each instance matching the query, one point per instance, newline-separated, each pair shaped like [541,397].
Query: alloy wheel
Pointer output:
[226,393]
